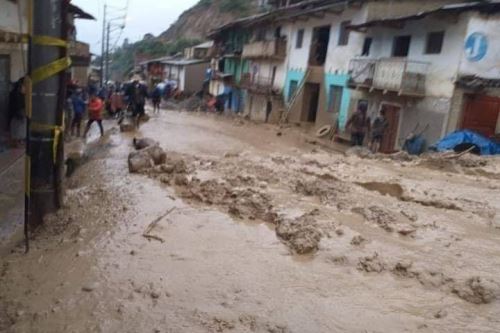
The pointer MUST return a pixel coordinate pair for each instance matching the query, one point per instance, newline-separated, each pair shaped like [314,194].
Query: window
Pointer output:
[293,88]
[367,44]
[401,46]
[260,35]
[335,101]
[300,39]
[277,32]
[344,33]
[434,44]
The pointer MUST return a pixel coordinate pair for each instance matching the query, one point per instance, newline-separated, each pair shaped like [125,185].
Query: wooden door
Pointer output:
[481,114]
[391,134]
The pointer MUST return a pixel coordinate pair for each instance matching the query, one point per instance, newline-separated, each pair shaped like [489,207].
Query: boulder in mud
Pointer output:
[146,159]
[477,290]
[126,127]
[181,180]
[143,143]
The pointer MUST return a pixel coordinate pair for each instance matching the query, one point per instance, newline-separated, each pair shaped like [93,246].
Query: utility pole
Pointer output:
[46,148]
[103,44]
[108,32]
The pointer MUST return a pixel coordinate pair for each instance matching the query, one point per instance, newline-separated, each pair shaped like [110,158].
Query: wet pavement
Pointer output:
[387,245]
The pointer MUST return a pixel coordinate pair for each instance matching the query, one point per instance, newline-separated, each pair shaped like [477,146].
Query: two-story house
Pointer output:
[228,64]
[435,71]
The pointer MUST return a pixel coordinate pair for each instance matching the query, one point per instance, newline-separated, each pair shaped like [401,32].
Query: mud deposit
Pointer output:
[219,225]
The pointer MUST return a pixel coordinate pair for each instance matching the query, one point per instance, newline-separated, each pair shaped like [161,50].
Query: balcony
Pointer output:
[258,84]
[270,49]
[392,74]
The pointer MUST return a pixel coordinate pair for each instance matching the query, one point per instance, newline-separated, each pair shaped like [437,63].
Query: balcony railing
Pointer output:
[392,74]
[258,84]
[270,49]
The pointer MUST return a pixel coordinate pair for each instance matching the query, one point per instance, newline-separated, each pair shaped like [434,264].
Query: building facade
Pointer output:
[316,61]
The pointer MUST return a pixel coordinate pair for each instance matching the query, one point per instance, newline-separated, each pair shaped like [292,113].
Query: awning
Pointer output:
[79,13]
[477,83]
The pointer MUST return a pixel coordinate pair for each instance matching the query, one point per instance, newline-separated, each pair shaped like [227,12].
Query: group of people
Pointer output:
[113,99]
[360,126]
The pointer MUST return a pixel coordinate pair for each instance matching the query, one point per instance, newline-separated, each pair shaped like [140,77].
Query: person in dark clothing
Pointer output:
[79,107]
[379,128]
[156,98]
[137,94]
[17,113]
[359,124]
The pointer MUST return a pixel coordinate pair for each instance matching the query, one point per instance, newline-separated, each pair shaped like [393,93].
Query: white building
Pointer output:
[188,73]
[425,70]
[316,61]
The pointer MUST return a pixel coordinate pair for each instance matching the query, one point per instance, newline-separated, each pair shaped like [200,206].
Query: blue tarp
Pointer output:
[485,145]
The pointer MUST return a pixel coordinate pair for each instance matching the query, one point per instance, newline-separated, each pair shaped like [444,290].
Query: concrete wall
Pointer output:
[9,16]
[482,62]
[18,59]
[430,111]
[443,67]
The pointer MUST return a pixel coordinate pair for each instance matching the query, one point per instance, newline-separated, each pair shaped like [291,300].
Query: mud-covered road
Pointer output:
[264,233]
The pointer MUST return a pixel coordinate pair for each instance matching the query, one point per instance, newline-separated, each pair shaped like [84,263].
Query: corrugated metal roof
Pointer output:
[483,6]
[184,62]
[302,8]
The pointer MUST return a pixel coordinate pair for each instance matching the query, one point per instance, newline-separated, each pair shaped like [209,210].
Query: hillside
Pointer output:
[190,29]
[195,22]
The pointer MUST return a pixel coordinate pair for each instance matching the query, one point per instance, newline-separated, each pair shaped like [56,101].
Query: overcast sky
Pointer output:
[143,16]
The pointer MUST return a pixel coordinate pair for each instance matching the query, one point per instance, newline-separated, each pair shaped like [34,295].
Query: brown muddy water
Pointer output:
[267,234]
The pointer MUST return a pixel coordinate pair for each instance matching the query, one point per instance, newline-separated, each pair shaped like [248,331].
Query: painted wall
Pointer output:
[9,18]
[443,67]
[236,66]
[292,75]
[481,47]
[339,80]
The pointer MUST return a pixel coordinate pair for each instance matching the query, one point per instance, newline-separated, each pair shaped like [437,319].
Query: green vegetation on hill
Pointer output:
[242,7]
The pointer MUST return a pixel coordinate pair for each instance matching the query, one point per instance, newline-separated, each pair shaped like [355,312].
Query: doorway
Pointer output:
[269,109]
[481,114]
[311,102]
[4,91]
[319,46]
[392,113]
[401,46]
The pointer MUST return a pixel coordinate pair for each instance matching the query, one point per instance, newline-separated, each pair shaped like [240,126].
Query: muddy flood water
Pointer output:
[255,232]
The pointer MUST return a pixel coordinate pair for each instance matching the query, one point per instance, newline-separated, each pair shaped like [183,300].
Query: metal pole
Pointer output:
[27,166]
[107,52]
[102,45]
[46,103]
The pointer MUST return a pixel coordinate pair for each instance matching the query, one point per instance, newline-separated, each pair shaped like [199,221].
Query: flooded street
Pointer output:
[259,232]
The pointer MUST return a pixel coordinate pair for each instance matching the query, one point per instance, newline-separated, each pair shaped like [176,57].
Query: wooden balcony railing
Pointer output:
[270,49]
[403,76]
